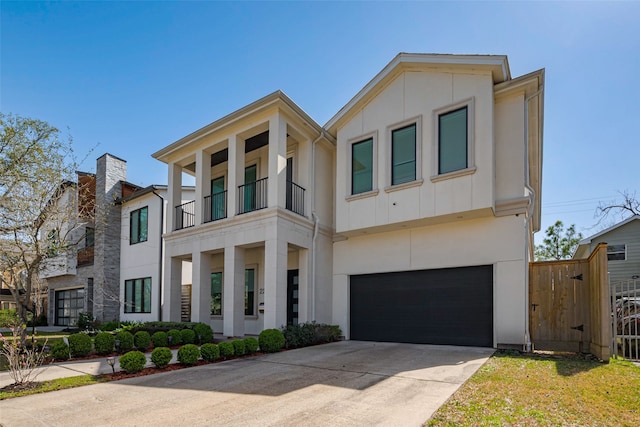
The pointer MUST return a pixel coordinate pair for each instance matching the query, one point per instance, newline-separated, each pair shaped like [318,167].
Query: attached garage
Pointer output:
[445,306]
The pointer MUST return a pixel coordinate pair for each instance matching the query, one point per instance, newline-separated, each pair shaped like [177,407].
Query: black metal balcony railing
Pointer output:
[252,196]
[185,215]
[215,207]
[295,198]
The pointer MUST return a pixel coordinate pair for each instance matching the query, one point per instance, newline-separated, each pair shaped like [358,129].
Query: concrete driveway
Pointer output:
[341,384]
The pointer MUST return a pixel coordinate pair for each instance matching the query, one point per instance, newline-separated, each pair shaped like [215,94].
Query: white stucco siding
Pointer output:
[417,96]
[141,260]
[488,241]
[510,156]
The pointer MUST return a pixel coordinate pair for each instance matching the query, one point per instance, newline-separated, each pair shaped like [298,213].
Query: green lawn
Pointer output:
[545,390]
[58,384]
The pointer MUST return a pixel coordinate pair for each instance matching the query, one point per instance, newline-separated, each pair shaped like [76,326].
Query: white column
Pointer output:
[171,289]
[203,183]
[233,292]
[235,173]
[174,195]
[305,299]
[277,161]
[201,288]
[275,283]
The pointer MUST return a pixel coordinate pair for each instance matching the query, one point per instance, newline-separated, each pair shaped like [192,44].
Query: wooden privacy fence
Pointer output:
[569,305]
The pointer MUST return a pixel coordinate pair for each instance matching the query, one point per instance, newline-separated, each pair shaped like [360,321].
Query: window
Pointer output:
[617,252]
[403,155]
[452,141]
[89,237]
[69,303]
[362,166]
[216,294]
[454,135]
[249,292]
[218,199]
[137,295]
[138,226]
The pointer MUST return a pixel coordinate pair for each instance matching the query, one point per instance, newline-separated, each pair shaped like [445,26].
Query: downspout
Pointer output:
[161,261]
[316,223]
[528,245]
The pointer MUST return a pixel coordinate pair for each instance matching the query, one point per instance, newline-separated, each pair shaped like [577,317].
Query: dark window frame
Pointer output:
[369,141]
[131,303]
[136,218]
[415,153]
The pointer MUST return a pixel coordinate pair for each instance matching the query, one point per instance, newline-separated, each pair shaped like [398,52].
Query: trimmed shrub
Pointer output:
[188,336]
[239,348]
[175,337]
[204,333]
[188,354]
[126,341]
[104,343]
[161,356]
[159,339]
[80,345]
[85,321]
[226,349]
[109,326]
[210,352]
[251,345]
[312,333]
[142,340]
[59,350]
[133,361]
[271,340]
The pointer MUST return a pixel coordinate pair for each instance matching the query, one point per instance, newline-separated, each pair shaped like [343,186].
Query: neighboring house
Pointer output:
[408,217]
[623,249]
[100,262]
[142,223]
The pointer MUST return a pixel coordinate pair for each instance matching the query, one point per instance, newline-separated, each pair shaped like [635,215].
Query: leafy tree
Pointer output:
[559,243]
[35,170]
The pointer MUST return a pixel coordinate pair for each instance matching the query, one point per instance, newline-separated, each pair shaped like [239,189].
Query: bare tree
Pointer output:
[36,225]
[617,210]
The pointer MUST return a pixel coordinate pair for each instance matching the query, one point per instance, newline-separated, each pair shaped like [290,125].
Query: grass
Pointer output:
[545,390]
[52,385]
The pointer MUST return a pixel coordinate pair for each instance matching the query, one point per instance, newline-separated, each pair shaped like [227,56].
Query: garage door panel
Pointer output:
[445,306]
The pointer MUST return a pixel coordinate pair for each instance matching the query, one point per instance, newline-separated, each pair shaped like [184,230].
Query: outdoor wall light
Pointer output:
[111,361]
[117,342]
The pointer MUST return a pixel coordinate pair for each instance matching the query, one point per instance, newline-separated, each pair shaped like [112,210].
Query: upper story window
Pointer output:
[403,155]
[454,139]
[138,225]
[617,252]
[89,237]
[361,159]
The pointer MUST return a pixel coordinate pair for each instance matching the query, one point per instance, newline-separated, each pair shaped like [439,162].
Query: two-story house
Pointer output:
[142,224]
[408,217]
[259,231]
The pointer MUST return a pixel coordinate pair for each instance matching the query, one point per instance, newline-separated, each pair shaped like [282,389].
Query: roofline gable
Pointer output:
[588,240]
[497,64]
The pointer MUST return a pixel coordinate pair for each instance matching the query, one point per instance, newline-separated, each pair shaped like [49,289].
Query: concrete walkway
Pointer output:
[347,383]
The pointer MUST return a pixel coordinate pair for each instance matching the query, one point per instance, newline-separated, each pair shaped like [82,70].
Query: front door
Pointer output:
[292,297]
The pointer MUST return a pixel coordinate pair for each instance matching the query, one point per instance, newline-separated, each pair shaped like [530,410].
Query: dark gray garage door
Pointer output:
[445,306]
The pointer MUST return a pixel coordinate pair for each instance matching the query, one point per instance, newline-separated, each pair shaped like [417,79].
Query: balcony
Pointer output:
[295,198]
[215,207]
[185,215]
[252,196]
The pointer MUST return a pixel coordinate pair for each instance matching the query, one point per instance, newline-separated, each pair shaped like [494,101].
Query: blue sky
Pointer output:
[129,78]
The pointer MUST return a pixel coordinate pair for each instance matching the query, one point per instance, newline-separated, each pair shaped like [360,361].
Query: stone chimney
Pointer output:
[110,172]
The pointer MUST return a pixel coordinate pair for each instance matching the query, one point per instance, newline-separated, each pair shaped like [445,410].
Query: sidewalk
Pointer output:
[74,368]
